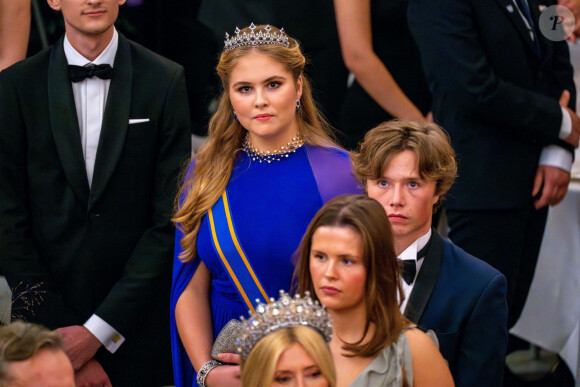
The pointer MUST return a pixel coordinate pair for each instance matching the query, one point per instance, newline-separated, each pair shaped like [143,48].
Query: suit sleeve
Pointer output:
[484,342]
[36,295]
[458,68]
[146,280]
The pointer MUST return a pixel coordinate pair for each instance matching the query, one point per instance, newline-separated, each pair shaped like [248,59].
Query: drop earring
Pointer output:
[297,106]
[235,115]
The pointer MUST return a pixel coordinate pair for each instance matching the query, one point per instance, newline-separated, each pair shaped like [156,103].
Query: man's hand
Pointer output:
[80,344]
[574,136]
[92,374]
[553,182]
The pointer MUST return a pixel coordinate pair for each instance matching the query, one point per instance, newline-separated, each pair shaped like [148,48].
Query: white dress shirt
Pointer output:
[90,98]
[410,253]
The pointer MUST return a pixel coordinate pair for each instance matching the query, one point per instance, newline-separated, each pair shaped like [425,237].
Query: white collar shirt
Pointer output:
[90,98]
[410,253]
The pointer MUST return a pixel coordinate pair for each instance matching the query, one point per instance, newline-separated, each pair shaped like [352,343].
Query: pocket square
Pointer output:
[138,120]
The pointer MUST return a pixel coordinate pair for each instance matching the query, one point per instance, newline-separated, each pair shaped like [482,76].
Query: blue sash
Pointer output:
[232,255]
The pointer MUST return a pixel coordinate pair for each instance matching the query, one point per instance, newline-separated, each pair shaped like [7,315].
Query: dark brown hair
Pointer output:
[368,218]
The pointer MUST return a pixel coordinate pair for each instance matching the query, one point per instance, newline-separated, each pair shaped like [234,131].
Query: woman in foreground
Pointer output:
[348,261]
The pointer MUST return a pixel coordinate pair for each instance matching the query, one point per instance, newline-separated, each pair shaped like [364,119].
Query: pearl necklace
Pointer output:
[276,154]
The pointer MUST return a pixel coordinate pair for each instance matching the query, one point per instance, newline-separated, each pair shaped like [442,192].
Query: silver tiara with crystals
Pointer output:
[263,37]
[283,313]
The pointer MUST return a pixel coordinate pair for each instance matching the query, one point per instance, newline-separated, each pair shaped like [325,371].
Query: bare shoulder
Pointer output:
[418,339]
[429,367]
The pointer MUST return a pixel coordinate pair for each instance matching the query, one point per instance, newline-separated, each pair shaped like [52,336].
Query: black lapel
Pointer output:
[115,120]
[426,279]
[64,123]
[518,22]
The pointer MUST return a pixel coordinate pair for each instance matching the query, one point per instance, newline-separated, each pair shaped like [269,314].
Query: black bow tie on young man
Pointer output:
[80,73]
[409,266]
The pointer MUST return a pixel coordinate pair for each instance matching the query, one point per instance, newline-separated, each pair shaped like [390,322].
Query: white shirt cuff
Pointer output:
[107,335]
[556,156]
[566,125]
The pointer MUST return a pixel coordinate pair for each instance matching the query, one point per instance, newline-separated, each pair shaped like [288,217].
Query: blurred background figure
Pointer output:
[14,31]
[380,52]
[555,356]
[31,355]
[505,94]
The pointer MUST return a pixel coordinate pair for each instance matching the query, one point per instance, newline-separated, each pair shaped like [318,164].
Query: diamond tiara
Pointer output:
[283,313]
[255,39]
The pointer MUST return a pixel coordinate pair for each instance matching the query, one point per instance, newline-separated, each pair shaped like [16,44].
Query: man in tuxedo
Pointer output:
[504,92]
[93,134]
[408,167]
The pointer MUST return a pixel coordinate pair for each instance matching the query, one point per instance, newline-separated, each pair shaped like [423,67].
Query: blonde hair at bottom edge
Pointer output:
[259,368]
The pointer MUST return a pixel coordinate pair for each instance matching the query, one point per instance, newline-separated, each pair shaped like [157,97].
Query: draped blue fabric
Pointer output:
[271,206]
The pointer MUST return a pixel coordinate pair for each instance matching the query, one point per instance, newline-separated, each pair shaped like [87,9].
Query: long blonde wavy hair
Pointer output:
[215,159]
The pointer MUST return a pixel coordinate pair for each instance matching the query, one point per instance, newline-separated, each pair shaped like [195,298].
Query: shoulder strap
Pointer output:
[232,256]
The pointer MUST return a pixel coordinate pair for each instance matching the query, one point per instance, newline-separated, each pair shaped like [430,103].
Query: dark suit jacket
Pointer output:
[463,300]
[105,250]
[493,94]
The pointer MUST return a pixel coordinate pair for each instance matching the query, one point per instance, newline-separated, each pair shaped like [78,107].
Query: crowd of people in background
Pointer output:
[159,181]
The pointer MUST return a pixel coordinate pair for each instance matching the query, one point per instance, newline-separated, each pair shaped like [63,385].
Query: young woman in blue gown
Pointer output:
[268,165]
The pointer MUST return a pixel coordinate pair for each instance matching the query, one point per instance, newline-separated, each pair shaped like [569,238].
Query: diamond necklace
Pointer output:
[276,154]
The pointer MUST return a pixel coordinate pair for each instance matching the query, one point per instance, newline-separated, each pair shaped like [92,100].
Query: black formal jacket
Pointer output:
[494,95]
[463,300]
[108,249]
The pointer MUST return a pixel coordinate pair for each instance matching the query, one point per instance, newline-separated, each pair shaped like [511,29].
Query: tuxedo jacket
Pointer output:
[492,92]
[463,300]
[106,250]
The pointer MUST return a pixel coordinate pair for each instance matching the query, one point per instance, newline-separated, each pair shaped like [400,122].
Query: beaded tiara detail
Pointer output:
[283,313]
[263,37]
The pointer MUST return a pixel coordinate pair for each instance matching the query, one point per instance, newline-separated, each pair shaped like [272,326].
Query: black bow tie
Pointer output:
[408,270]
[80,73]
[409,266]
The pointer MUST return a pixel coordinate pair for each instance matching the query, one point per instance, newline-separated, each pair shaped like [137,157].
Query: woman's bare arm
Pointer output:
[14,31]
[193,319]
[353,19]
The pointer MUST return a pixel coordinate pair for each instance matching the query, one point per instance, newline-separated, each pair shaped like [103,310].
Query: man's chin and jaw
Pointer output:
[407,232]
[85,19]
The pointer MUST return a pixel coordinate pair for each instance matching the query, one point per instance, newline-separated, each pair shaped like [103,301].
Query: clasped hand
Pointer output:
[81,346]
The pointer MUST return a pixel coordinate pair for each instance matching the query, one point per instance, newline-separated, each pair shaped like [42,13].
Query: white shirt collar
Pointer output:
[73,57]
[411,251]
